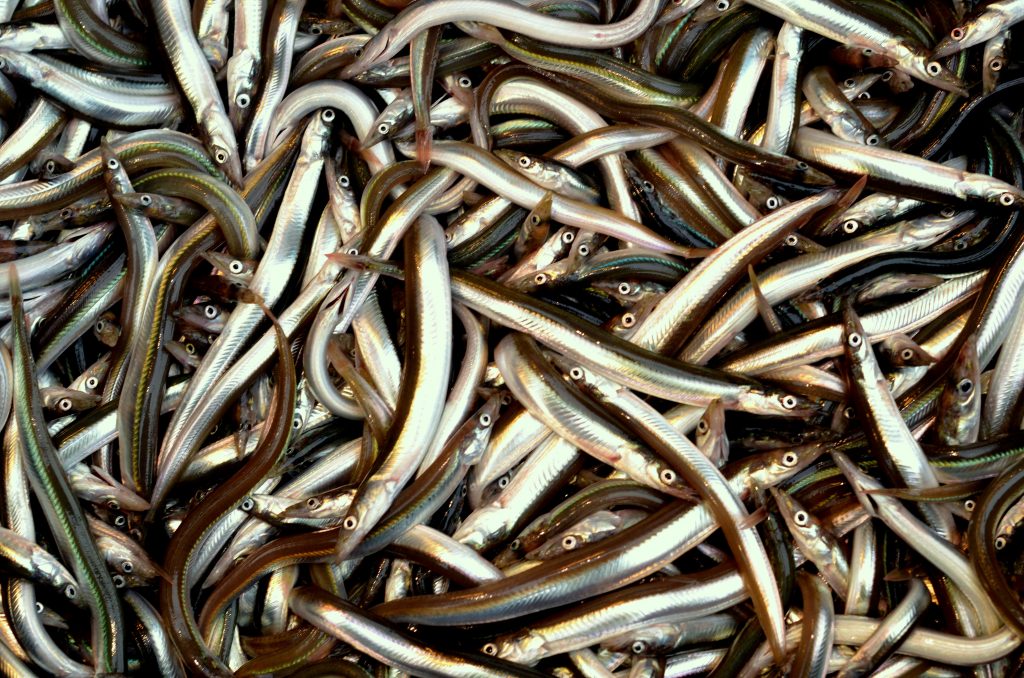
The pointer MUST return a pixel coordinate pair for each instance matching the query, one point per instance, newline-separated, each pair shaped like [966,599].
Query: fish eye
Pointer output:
[210,311]
[236,266]
[628,320]
[296,422]
[540,278]
[568,237]
[127,567]
[849,413]
[850,226]
[789,459]
[638,647]
[503,482]
[524,161]
[515,544]
[490,649]
[947,212]
[907,354]
[789,402]
[722,5]
[969,505]
[119,581]
[120,521]
[350,523]
[873,140]
[113,164]
[792,240]
[247,504]
[958,33]
[668,476]
[39,608]
[383,128]
[576,373]
[220,156]
[242,101]
[584,250]
[534,219]
[959,246]
[625,288]
[92,382]
[850,82]
[1000,543]
[1006,200]
[648,186]
[313,503]
[995,65]
[801,518]
[50,166]
[64,405]
[854,340]
[70,592]
[146,200]
[569,543]
[801,165]
[933,68]
[772,202]
[868,52]
[190,348]
[965,386]
[702,426]
[344,181]
[485,419]
[465,82]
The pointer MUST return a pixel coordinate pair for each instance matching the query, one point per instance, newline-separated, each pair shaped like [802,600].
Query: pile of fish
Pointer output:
[629,338]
